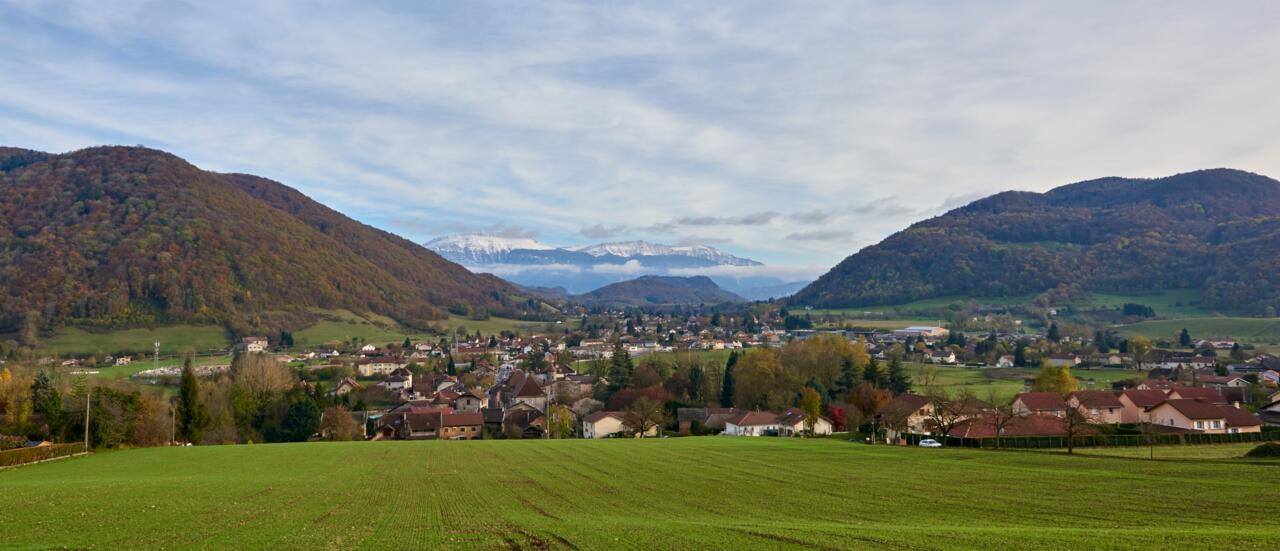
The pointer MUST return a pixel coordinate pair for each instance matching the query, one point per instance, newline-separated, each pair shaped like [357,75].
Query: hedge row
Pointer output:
[23,456]
[1100,440]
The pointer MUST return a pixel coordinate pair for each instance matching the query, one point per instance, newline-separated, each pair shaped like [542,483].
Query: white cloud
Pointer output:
[748,123]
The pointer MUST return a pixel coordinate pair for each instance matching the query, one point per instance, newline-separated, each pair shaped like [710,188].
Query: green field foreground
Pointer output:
[705,493]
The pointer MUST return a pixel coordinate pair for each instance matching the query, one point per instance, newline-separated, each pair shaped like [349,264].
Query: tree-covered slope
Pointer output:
[659,290]
[1216,230]
[119,236]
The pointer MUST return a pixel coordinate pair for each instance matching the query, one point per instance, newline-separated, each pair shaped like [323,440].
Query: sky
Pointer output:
[793,133]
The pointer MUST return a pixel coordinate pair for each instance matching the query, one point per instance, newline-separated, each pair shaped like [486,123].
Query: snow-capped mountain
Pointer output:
[478,249]
[632,249]
[587,267]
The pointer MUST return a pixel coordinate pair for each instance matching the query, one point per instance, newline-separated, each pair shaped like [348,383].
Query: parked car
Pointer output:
[930,443]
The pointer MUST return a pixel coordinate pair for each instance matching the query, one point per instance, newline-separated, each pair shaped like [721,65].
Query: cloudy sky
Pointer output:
[793,133]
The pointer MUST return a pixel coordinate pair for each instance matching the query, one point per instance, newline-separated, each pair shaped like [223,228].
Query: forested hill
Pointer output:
[119,236]
[659,291]
[1216,230]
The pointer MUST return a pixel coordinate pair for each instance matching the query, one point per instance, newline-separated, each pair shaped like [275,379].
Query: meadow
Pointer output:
[1004,383]
[1251,330]
[709,492]
[176,339]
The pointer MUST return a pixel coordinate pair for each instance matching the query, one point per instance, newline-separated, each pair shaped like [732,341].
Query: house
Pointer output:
[707,418]
[1099,406]
[1136,402]
[124,360]
[252,345]
[346,386]
[754,423]
[603,424]
[1047,403]
[368,348]
[461,425]
[521,387]
[1270,414]
[1204,394]
[986,426]
[470,401]
[524,422]
[1062,360]
[370,367]
[943,357]
[905,413]
[792,422]
[1219,381]
[1005,361]
[1203,417]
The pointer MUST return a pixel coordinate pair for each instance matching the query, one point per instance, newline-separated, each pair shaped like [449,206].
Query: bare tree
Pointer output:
[946,413]
[643,415]
[1001,415]
[262,375]
[1074,424]
[336,424]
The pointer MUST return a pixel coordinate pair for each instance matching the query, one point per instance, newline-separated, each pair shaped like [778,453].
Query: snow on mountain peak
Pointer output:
[484,243]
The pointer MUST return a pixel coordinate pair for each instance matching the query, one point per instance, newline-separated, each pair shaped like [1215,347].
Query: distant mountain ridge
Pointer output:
[1213,230]
[126,236]
[659,291]
[583,268]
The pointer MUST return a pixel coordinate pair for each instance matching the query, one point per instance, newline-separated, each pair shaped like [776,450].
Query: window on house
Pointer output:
[1199,424]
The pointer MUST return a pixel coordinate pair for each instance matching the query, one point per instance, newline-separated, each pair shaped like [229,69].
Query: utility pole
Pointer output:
[155,358]
[87,393]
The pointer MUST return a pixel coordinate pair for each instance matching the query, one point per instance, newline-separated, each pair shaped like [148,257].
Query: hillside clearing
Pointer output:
[1252,330]
[711,492]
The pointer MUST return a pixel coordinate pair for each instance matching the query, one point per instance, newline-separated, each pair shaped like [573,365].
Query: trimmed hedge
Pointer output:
[1098,440]
[23,456]
[1270,450]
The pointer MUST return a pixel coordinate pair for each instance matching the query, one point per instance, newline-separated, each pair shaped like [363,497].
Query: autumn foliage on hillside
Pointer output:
[119,236]
[1217,230]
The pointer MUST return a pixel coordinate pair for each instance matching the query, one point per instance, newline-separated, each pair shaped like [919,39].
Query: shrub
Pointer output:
[11,442]
[1270,450]
[30,455]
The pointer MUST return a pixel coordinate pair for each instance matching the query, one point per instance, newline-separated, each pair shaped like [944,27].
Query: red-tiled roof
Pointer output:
[1042,401]
[1144,398]
[1027,425]
[903,405]
[753,418]
[1210,395]
[461,419]
[1194,409]
[1237,417]
[1097,399]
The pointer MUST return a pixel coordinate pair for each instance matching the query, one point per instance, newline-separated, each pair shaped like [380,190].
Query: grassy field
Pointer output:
[1253,330]
[177,339]
[711,492]
[1175,453]
[1170,303]
[1005,383]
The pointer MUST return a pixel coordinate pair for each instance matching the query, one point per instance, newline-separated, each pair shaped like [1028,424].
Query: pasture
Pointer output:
[1251,330]
[174,339]
[709,492]
[1004,383]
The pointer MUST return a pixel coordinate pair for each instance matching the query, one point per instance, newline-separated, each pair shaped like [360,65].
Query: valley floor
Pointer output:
[709,492]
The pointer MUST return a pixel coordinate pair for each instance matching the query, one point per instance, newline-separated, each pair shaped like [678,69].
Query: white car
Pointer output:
[930,443]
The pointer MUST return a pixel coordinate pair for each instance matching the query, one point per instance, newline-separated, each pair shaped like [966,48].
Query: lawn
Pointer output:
[1253,330]
[1171,303]
[176,339]
[687,493]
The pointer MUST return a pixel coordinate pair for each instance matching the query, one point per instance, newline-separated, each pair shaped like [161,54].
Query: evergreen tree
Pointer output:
[899,381]
[848,379]
[727,388]
[1184,338]
[47,401]
[871,373]
[407,344]
[1100,342]
[449,367]
[1055,334]
[1020,354]
[620,368]
[192,417]
[301,421]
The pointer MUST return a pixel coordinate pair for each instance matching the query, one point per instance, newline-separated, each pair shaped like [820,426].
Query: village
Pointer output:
[565,385]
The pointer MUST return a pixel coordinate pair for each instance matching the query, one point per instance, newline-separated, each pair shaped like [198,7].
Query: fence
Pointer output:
[22,456]
[1097,440]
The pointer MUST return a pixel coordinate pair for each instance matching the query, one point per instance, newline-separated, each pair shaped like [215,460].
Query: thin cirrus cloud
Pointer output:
[761,126]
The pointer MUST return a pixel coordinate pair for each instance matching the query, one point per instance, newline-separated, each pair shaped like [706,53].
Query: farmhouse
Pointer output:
[1022,425]
[792,422]
[1063,360]
[370,367]
[252,345]
[708,418]
[1207,395]
[753,423]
